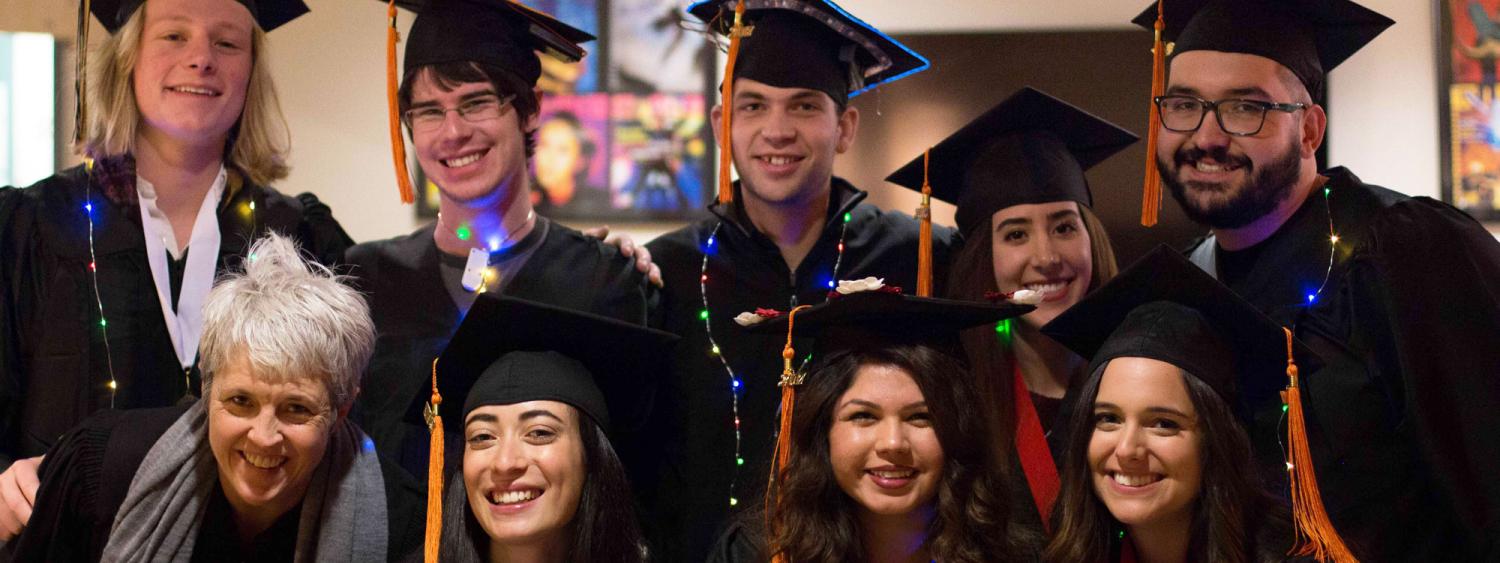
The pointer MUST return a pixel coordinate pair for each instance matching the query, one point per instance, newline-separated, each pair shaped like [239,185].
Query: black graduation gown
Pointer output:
[1402,417]
[53,368]
[692,424]
[415,316]
[86,475]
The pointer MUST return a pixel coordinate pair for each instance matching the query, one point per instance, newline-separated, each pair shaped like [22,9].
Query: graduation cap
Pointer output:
[268,14]
[811,44]
[1030,148]
[1308,37]
[500,33]
[510,350]
[1166,308]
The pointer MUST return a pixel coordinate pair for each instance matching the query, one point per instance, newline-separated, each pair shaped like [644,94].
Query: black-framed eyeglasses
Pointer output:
[475,110]
[1241,118]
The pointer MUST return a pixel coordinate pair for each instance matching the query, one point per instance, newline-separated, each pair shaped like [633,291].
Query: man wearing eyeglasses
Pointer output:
[1398,296]
[469,100]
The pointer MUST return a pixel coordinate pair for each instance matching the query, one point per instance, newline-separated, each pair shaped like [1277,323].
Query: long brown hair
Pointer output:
[991,361]
[1234,520]
[815,520]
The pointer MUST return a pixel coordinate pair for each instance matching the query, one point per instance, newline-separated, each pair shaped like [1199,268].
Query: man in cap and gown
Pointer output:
[782,235]
[90,286]
[1397,294]
[471,107]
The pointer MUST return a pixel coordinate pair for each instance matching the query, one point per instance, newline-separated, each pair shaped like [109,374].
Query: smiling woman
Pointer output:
[265,466]
[1156,454]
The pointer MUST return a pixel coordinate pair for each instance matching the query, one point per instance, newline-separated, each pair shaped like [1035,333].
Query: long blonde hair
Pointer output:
[258,143]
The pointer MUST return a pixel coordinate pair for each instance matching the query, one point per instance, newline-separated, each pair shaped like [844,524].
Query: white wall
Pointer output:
[329,66]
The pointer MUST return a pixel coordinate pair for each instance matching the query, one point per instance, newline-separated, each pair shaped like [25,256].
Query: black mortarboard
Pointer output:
[1166,308]
[1308,37]
[875,319]
[502,33]
[269,14]
[1031,148]
[811,44]
[509,350]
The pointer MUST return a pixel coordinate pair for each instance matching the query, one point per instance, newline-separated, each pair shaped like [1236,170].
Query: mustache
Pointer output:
[1217,154]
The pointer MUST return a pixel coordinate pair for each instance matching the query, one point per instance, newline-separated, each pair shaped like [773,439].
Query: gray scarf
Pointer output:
[343,513]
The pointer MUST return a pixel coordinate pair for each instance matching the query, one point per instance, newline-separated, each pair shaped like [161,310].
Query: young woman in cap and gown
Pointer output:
[106,266]
[265,467]
[1158,466]
[884,454]
[1016,175]
[546,395]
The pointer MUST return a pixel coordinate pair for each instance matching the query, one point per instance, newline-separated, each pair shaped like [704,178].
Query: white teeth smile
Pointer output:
[905,474]
[1205,167]
[513,497]
[1135,480]
[192,90]
[778,160]
[1046,288]
[264,461]
[463,160]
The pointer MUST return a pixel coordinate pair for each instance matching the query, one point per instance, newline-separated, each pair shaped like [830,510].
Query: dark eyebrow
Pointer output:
[1013,221]
[482,417]
[860,403]
[1232,93]
[477,95]
[1066,213]
[749,97]
[1160,410]
[537,413]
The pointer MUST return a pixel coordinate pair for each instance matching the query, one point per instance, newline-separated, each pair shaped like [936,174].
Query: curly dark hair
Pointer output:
[1234,519]
[604,529]
[815,520]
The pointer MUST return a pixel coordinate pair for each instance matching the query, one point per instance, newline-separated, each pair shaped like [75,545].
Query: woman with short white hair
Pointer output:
[266,466]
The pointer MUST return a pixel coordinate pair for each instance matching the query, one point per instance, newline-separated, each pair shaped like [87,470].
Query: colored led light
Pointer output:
[733,501]
[463,233]
[739,461]
[714,350]
[1311,298]
[703,315]
[830,284]
[102,323]
[848,217]
[88,208]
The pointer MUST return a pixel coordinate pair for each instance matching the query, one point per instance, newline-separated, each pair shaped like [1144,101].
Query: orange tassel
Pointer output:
[1151,195]
[1315,535]
[398,145]
[434,475]
[789,382]
[726,152]
[924,234]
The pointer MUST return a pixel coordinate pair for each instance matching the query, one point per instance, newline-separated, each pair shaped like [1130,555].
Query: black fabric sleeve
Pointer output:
[320,234]
[406,512]
[68,521]
[1431,313]
[11,259]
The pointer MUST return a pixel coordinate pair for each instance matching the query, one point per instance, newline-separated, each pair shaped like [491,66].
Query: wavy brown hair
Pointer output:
[815,521]
[972,277]
[257,145]
[1234,520]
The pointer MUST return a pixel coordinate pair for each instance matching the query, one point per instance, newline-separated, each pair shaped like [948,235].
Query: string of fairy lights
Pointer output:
[113,384]
[736,384]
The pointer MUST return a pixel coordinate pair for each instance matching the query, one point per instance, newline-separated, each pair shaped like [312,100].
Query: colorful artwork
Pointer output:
[569,169]
[1470,48]
[660,153]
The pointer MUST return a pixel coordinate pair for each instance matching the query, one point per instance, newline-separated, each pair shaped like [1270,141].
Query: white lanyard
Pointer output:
[185,324]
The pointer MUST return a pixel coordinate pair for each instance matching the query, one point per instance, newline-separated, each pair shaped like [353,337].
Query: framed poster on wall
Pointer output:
[1468,66]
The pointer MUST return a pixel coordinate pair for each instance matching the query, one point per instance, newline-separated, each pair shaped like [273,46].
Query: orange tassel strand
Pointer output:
[434,474]
[924,234]
[790,379]
[1316,536]
[1151,196]
[398,145]
[726,153]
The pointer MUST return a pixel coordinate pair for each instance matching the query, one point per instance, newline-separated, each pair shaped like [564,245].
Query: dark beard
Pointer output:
[1267,188]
